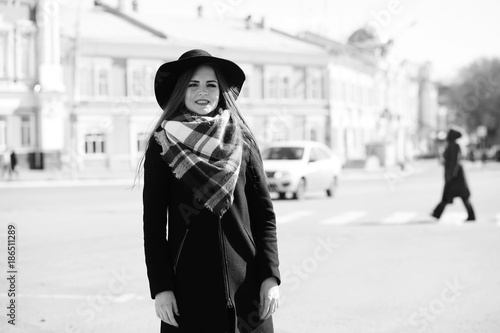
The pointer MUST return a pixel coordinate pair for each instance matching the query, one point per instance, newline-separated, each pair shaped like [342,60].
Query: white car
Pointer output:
[298,167]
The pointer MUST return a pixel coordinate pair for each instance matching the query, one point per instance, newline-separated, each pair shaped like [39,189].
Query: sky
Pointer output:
[450,34]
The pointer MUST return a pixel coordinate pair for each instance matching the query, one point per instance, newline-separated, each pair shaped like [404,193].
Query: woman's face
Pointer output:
[202,94]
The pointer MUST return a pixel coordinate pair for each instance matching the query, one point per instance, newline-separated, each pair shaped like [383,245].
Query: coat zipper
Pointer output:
[229,302]
[180,250]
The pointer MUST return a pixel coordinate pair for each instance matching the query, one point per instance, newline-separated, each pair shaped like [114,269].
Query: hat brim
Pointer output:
[167,75]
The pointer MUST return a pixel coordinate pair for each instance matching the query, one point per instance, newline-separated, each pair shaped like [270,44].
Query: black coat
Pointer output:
[214,266]
[455,182]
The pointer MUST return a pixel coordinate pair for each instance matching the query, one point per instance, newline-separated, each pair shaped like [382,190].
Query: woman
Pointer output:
[205,187]
[455,182]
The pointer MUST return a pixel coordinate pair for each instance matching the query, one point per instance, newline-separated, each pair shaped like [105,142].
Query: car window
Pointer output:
[313,156]
[283,153]
[317,155]
[323,154]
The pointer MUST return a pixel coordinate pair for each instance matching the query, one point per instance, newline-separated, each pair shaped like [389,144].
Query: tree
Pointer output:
[475,97]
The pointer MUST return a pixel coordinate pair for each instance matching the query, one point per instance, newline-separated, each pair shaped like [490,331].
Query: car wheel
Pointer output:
[282,195]
[301,189]
[333,187]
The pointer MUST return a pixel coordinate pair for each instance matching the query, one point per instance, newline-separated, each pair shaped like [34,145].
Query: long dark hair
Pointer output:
[227,100]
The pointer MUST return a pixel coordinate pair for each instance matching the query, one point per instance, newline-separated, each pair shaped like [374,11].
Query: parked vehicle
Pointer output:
[298,167]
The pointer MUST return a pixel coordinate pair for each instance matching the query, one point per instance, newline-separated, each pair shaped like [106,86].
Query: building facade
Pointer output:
[88,100]
[112,74]
[18,77]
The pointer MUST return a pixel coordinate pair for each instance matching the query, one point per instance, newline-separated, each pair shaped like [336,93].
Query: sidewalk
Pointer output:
[127,178]
[100,177]
[413,168]
[65,178]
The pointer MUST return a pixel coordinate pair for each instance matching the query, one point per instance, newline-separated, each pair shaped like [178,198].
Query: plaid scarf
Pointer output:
[205,154]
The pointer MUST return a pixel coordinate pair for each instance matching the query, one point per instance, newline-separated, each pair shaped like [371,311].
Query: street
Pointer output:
[368,260]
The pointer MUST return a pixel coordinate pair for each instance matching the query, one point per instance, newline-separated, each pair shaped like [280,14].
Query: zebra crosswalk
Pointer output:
[344,218]
[360,217]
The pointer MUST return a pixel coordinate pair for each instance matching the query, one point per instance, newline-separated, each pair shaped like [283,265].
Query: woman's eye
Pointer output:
[192,85]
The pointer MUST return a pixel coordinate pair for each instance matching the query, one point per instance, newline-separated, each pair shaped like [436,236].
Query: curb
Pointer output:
[67,183]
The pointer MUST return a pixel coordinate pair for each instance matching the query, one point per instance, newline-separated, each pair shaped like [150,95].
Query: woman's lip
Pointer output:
[203,101]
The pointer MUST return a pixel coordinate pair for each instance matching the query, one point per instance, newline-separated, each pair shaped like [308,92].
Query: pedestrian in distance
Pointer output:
[205,187]
[13,164]
[455,181]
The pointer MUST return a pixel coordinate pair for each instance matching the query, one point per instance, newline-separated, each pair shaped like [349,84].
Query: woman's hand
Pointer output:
[166,307]
[269,298]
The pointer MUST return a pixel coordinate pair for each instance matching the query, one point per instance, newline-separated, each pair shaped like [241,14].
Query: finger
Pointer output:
[162,313]
[261,304]
[265,307]
[270,310]
[175,308]
[171,317]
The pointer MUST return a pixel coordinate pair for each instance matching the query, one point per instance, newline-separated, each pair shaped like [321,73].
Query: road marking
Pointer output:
[453,218]
[344,218]
[287,218]
[117,299]
[399,218]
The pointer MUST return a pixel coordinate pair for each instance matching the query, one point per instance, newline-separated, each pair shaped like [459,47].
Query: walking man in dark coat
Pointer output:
[455,182]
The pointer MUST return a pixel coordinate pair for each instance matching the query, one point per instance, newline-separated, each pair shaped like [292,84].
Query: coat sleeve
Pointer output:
[451,165]
[155,203]
[262,218]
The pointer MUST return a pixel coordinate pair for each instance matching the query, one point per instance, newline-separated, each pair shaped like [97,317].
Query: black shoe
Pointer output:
[471,219]
[434,215]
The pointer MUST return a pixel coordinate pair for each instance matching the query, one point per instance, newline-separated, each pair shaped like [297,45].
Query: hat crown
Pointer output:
[194,53]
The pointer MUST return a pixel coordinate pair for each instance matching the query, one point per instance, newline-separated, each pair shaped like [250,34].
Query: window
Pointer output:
[94,143]
[283,153]
[103,85]
[323,154]
[95,77]
[26,131]
[272,87]
[279,82]
[298,84]
[315,83]
[140,78]
[3,54]
[141,141]
[24,53]
[137,83]
[285,85]
[258,81]
[3,133]
[86,82]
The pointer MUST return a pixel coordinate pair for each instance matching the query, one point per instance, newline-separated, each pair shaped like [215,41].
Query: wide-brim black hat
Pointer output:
[167,75]
[453,134]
